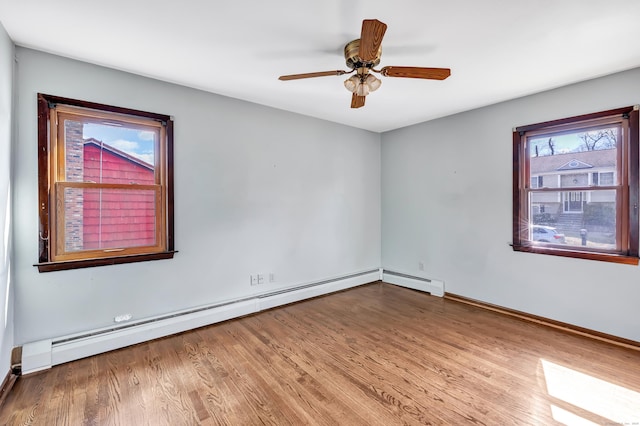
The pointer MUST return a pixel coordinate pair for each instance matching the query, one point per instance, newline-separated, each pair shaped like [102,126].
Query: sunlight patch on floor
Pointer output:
[568,418]
[605,399]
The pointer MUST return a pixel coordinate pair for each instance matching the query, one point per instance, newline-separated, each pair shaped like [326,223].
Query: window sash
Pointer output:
[60,113]
[60,253]
[620,237]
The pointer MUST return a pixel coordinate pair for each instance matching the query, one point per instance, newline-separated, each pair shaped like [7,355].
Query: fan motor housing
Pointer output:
[351,55]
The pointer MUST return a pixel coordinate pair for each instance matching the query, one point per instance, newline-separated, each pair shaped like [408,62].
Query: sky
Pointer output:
[135,142]
[563,143]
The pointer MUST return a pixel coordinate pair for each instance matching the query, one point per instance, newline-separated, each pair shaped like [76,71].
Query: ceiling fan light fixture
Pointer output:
[362,89]
[372,82]
[362,85]
[362,55]
[352,83]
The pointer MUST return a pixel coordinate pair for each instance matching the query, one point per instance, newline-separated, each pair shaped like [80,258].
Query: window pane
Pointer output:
[96,218]
[607,179]
[575,159]
[106,153]
[534,181]
[537,182]
[574,218]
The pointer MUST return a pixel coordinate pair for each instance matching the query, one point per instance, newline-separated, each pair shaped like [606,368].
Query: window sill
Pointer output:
[88,263]
[605,257]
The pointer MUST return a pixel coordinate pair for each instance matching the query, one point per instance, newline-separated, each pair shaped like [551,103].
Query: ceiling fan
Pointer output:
[362,55]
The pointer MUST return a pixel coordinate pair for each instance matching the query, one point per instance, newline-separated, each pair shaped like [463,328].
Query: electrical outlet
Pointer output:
[272,277]
[122,318]
[260,278]
[253,279]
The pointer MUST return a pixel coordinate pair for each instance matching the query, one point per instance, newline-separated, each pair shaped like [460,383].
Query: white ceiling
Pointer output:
[496,49]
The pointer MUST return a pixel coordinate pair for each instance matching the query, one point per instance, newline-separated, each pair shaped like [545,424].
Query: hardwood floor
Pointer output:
[374,355]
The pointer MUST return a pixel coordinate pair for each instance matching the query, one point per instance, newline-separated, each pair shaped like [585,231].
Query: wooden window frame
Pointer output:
[628,182]
[52,183]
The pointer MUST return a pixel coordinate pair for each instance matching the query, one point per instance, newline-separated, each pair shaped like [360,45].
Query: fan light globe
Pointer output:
[361,85]
[372,82]
[362,89]
[352,83]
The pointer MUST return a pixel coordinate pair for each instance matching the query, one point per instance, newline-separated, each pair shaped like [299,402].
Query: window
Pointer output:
[606,179]
[105,178]
[591,208]
[536,182]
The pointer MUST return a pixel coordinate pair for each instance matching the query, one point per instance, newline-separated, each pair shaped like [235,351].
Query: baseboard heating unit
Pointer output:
[44,354]
[429,285]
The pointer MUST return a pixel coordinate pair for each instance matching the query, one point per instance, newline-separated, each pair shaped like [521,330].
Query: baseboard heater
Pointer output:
[44,354]
[429,285]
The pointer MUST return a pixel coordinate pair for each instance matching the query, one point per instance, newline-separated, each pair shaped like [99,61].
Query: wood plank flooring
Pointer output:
[373,355]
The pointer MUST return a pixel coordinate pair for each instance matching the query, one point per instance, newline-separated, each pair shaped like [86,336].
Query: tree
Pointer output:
[544,148]
[598,139]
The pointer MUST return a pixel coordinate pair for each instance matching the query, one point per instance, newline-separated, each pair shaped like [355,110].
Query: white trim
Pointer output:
[43,354]
[36,356]
[429,285]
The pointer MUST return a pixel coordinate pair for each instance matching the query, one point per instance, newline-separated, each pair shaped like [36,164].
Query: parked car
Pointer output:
[546,234]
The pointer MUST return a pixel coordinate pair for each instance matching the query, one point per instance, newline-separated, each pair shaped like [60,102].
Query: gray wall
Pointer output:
[6,125]
[258,190]
[446,202]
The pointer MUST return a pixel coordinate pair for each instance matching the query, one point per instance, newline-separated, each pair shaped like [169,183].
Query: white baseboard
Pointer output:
[70,350]
[36,356]
[429,285]
[44,354]
[307,292]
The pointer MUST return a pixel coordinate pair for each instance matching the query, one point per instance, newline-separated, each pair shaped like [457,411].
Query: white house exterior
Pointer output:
[572,170]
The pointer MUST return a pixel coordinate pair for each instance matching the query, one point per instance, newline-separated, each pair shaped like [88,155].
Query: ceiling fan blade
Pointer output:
[416,72]
[357,101]
[371,38]
[311,75]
